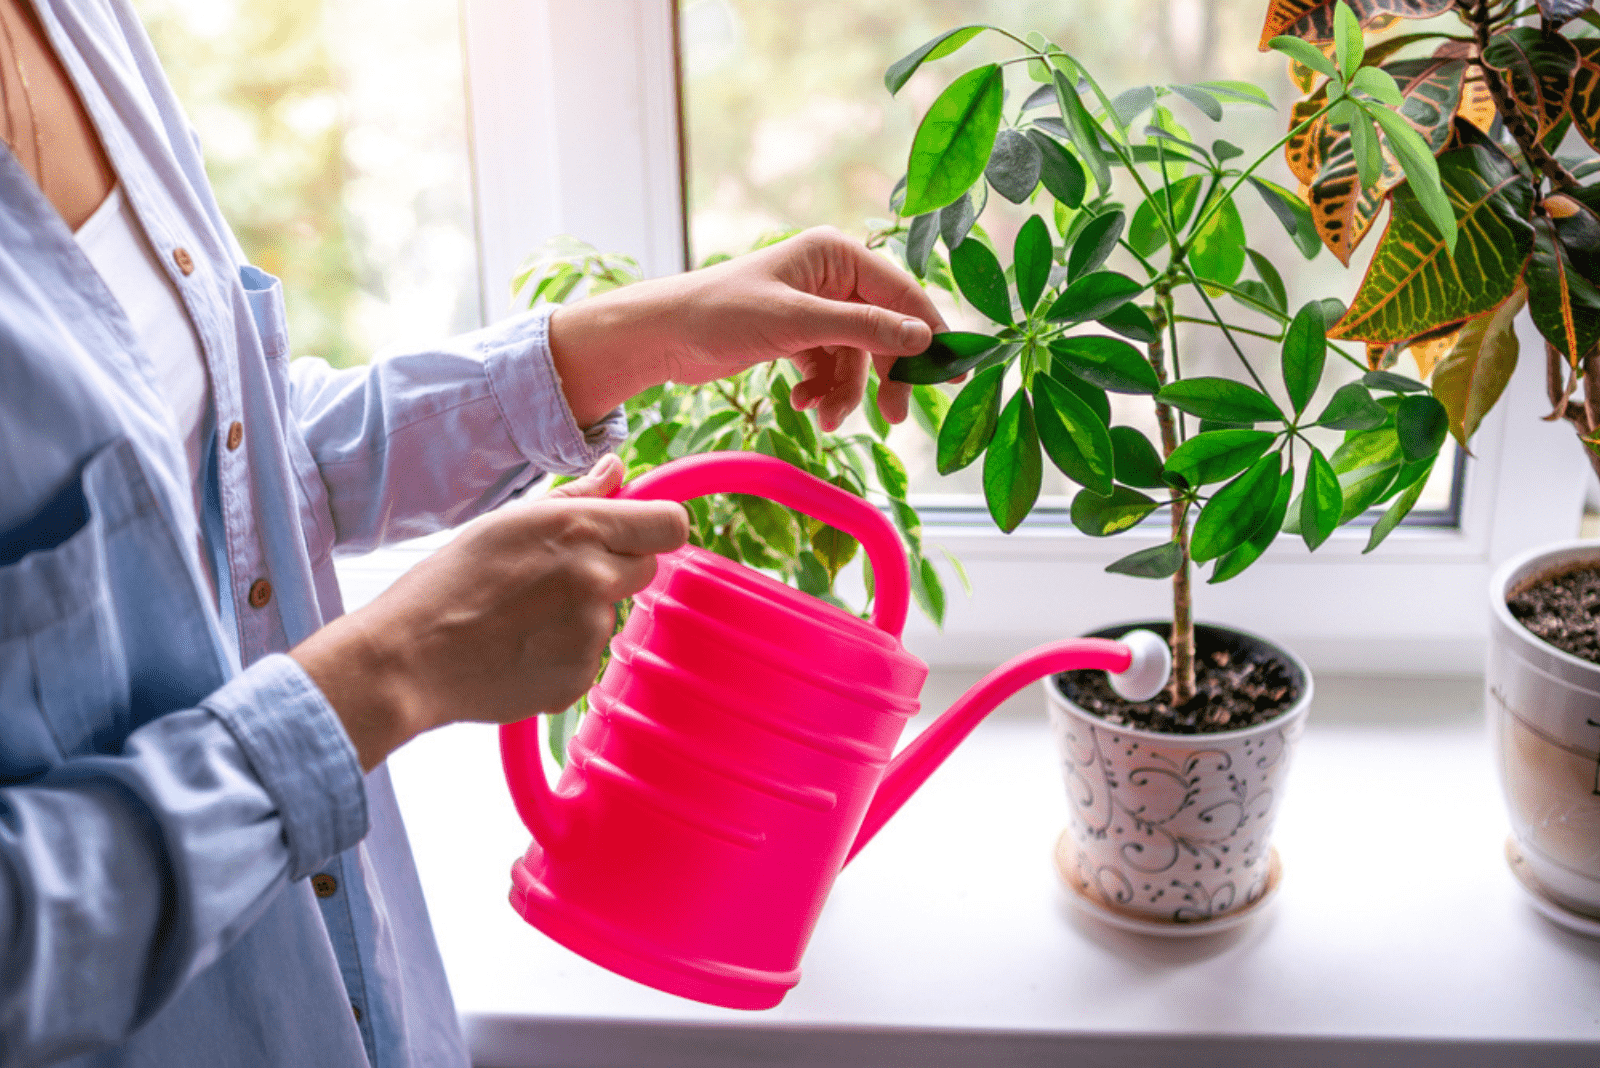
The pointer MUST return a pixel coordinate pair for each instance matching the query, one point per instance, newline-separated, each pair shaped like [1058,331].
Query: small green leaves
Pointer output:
[1422,172]
[1059,170]
[1293,214]
[1107,362]
[969,425]
[1147,234]
[1221,399]
[1093,296]
[1236,510]
[1031,257]
[895,78]
[1014,166]
[1391,382]
[1085,133]
[949,355]
[1203,99]
[1013,469]
[1397,511]
[1347,39]
[1231,563]
[981,279]
[1304,53]
[1075,439]
[1095,243]
[1321,501]
[1380,85]
[1217,455]
[952,143]
[1421,423]
[1352,408]
[1305,349]
[1136,460]
[1100,516]
[1157,562]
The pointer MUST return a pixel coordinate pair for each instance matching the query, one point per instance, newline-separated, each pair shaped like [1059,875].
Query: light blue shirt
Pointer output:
[169,782]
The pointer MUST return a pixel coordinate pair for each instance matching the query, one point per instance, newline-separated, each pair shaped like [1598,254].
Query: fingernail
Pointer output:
[910,331]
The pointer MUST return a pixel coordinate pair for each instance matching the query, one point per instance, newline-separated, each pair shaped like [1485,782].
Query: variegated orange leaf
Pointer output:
[1586,91]
[1312,20]
[1538,69]
[1472,376]
[1426,351]
[1343,210]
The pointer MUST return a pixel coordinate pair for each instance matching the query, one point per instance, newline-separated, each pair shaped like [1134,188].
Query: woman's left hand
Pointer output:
[819,299]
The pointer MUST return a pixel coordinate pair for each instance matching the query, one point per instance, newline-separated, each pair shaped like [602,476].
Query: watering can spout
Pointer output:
[1139,665]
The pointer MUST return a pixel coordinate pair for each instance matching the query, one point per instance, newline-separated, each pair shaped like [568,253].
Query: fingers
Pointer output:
[638,528]
[601,480]
[860,326]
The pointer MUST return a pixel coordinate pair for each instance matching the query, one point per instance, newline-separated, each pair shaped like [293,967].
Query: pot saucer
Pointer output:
[1560,915]
[1094,903]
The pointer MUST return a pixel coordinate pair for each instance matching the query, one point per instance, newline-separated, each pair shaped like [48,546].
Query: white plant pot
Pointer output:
[1543,707]
[1170,829]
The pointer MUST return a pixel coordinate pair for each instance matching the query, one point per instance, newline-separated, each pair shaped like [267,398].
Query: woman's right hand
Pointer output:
[506,621]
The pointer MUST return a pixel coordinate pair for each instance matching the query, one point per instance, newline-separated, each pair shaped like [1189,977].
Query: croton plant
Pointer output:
[1506,94]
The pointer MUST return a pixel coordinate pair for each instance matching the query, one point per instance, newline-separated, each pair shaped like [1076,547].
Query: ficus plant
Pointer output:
[1506,95]
[1135,229]
[751,411]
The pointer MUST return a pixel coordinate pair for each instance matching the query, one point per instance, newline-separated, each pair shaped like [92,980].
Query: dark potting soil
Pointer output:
[1237,685]
[1564,610]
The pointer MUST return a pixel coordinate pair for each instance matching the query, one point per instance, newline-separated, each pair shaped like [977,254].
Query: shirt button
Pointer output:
[260,593]
[324,884]
[185,262]
[235,435]
[356,1009]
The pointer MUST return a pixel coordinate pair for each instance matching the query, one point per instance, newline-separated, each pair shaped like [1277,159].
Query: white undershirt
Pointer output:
[116,245]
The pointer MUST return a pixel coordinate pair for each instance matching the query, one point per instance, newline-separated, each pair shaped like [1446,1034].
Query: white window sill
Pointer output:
[1399,936]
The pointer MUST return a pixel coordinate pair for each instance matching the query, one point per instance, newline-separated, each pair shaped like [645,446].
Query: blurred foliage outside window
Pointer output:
[334,133]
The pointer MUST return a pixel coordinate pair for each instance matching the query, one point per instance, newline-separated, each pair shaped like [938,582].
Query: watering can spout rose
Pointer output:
[740,749]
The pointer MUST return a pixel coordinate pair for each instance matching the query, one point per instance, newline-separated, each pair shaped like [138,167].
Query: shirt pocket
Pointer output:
[101,626]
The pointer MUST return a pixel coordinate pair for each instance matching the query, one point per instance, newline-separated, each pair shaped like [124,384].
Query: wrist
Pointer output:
[605,349]
[362,681]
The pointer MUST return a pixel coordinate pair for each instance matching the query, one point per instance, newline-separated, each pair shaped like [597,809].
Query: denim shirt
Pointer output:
[193,870]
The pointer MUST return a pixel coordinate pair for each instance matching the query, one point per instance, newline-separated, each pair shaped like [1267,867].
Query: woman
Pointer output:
[201,861]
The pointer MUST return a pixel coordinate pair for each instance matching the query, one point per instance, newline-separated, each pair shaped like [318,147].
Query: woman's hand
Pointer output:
[818,299]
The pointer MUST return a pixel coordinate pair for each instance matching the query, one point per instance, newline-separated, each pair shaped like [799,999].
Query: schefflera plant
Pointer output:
[1495,96]
[750,411]
[1232,465]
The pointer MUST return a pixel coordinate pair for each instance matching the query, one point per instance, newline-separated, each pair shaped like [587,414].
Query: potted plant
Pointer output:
[751,412]
[1172,799]
[1509,101]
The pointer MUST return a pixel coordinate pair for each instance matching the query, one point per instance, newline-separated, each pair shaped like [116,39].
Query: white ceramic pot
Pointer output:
[1543,707]
[1170,828]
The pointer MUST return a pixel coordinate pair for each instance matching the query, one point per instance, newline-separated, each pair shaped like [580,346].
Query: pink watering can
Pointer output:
[740,750]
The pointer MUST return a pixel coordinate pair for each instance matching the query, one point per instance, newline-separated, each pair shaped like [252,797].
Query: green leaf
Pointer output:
[1422,173]
[956,220]
[1218,455]
[900,72]
[1421,424]
[713,425]
[1203,99]
[1216,253]
[1059,170]
[1380,85]
[952,142]
[1131,321]
[1470,378]
[1292,213]
[1231,563]
[1136,461]
[1414,284]
[1380,447]
[1564,304]
[981,279]
[1321,502]
[920,236]
[1352,408]
[1031,258]
[1107,362]
[1092,296]
[795,424]
[928,406]
[1014,166]
[1273,281]
[1084,131]
[1095,242]
[869,408]
[948,356]
[1305,349]
[1347,39]
[1225,150]
[1013,468]
[1364,487]
[1132,103]
[1093,396]
[773,523]
[1305,54]
[1220,398]
[1238,92]
[1157,562]
[1393,383]
[1363,142]
[891,472]
[1100,516]
[811,576]
[969,426]
[1075,439]
[1146,235]
[927,589]
[1235,511]
[1397,511]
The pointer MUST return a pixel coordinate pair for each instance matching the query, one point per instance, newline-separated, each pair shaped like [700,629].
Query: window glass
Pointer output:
[335,135]
[788,124]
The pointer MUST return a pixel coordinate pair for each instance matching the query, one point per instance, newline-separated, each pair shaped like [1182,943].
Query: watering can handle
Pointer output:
[769,477]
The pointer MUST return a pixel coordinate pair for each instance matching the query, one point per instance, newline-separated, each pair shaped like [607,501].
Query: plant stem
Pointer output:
[1533,152]
[1182,639]
[1238,329]
[1200,288]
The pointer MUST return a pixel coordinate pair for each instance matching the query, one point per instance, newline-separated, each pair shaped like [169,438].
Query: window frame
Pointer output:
[1417,606]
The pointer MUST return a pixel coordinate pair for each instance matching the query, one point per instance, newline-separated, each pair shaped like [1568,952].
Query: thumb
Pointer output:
[601,480]
[861,326]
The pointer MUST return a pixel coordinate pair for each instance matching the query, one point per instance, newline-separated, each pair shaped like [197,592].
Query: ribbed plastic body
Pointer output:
[734,744]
